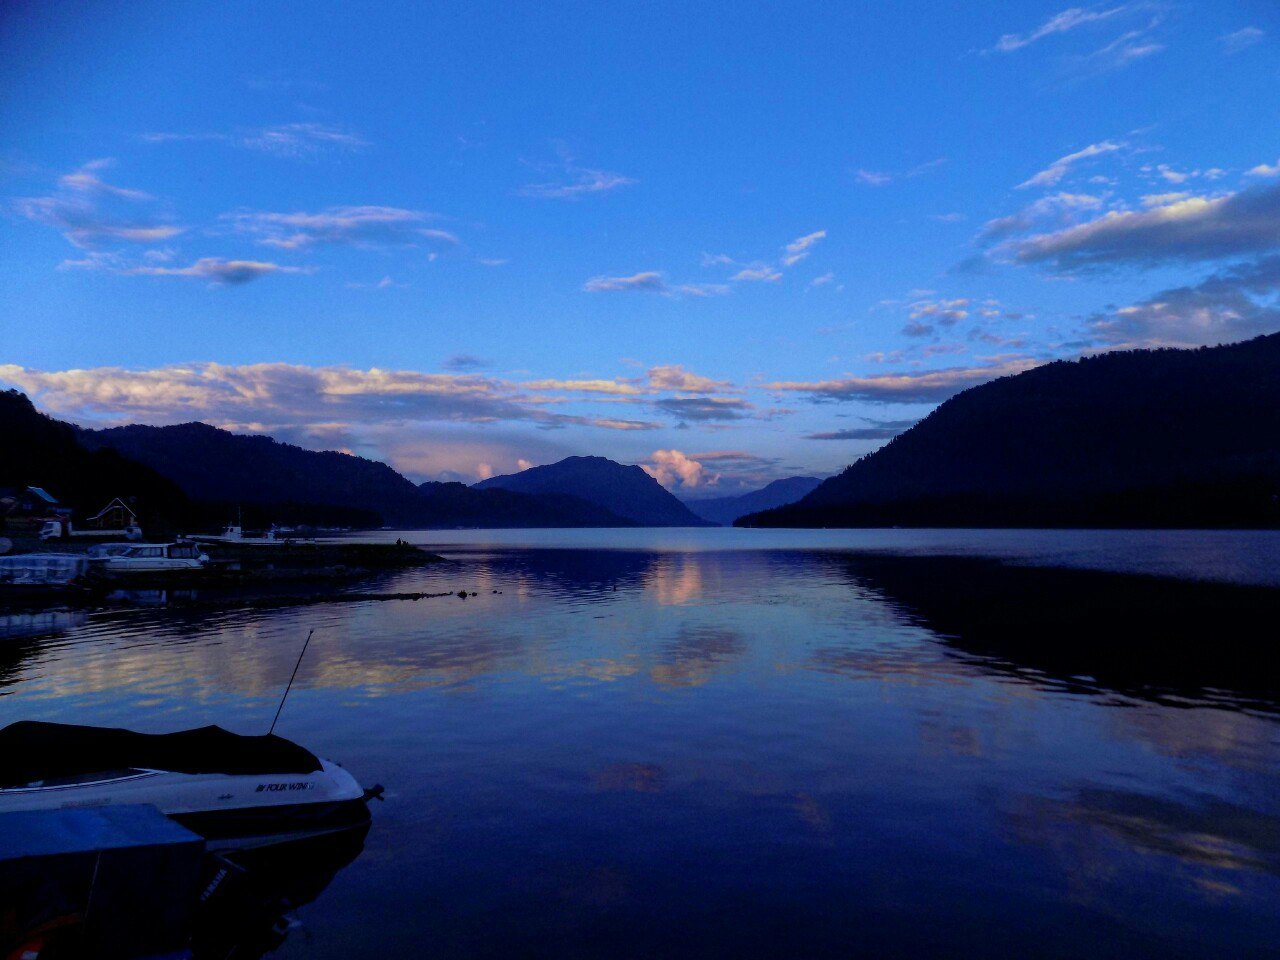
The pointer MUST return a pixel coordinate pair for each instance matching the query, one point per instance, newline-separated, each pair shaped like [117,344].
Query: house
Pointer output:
[116,515]
[33,503]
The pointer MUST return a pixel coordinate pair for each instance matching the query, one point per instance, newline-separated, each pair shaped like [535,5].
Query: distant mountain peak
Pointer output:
[627,491]
[778,493]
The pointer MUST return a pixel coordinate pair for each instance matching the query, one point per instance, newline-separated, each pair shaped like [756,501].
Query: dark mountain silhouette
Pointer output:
[725,510]
[279,482]
[1145,438]
[628,492]
[43,452]
[216,465]
[457,505]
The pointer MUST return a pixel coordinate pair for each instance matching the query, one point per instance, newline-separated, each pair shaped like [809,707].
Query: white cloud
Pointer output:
[353,225]
[1241,39]
[1069,19]
[676,470]
[91,212]
[291,396]
[799,248]
[1193,228]
[1052,175]
[649,281]
[582,182]
[218,270]
[289,140]
[922,386]
[758,272]
[873,178]
[676,378]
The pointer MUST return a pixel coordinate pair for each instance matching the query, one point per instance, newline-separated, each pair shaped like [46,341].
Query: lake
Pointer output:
[696,743]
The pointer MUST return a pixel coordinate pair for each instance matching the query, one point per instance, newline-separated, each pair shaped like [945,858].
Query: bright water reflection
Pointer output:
[787,752]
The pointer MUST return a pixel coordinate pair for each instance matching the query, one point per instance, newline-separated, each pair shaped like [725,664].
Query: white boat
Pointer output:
[235,791]
[124,559]
[233,534]
[43,571]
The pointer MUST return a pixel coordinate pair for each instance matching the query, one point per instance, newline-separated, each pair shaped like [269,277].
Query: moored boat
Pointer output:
[121,559]
[234,790]
[42,572]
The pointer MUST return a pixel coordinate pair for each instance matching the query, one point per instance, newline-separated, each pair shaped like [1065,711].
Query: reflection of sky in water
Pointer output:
[742,753]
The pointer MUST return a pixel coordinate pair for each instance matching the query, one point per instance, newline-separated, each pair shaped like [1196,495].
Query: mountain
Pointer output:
[725,510]
[1143,438]
[216,465]
[628,492]
[457,505]
[40,451]
[280,482]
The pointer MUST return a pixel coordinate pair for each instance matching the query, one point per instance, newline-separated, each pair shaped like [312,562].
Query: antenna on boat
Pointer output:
[290,684]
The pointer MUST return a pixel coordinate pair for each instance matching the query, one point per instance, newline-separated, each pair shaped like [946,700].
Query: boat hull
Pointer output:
[228,811]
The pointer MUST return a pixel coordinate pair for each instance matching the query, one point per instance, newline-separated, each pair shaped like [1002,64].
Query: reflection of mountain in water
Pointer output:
[248,895]
[1142,636]
[578,575]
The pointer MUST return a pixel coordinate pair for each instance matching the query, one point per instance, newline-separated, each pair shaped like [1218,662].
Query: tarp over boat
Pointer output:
[32,751]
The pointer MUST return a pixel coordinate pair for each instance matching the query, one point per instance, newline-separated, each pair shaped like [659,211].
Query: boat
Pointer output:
[116,559]
[233,535]
[237,791]
[42,572]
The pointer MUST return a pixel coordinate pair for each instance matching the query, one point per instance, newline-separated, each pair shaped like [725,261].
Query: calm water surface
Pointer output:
[754,743]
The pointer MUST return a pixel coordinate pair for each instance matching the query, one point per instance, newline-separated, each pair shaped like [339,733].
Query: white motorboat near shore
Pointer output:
[236,791]
[125,559]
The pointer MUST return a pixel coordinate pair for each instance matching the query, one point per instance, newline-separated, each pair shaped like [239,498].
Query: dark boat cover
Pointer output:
[32,751]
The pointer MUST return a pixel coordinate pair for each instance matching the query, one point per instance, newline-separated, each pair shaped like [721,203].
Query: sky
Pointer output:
[728,242]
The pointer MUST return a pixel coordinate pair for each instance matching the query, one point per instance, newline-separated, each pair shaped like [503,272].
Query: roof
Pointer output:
[43,494]
[32,751]
[116,502]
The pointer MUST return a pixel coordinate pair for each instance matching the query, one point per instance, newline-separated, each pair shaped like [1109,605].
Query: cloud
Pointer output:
[1069,19]
[281,396]
[649,281]
[612,387]
[1231,305]
[704,409]
[370,226]
[582,182]
[1265,170]
[1121,52]
[799,248]
[926,386]
[882,178]
[1190,229]
[90,212]
[703,289]
[1241,39]
[1061,208]
[301,140]
[946,312]
[676,378]
[675,470]
[293,141]
[758,272]
[1052,175]
[823,280]
[466,362]
[855,433]
[218,270]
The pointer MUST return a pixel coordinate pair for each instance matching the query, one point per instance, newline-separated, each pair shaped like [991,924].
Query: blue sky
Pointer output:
[730,242]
